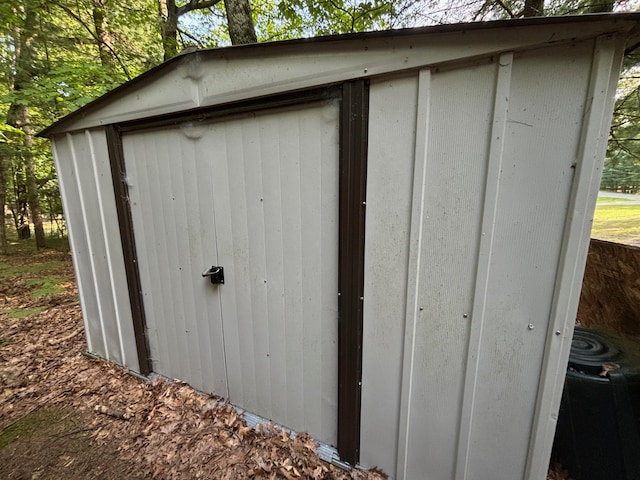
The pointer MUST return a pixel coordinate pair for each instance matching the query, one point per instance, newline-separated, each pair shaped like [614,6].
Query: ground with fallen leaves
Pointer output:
[65,415]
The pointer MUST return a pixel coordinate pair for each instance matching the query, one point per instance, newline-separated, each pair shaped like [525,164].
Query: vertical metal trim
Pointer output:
[598,110]
[353,175]
[105,233]
[125,221]
[414,266]
[489,209]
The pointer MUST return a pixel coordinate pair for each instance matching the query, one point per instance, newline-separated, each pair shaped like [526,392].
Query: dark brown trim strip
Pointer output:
[353,176]
[121,191]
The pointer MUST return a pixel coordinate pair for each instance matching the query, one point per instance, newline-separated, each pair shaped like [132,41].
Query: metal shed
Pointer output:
[402,220]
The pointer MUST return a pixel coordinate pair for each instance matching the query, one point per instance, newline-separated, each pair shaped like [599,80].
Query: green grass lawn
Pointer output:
[602,199]
[617,223]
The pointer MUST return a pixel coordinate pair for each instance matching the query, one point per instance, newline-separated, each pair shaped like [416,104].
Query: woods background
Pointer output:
[57,55]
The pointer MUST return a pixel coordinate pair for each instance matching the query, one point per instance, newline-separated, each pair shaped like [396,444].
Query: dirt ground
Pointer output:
[65,415]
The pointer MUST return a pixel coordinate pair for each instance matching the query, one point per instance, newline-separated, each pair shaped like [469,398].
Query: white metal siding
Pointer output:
[87,191]
[389,187]
[258,195]
[488,159]
[531,201]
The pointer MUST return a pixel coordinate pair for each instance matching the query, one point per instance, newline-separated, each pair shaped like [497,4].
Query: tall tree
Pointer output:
[102,33]
[170,14]
[238,14]
[3,191]
[18,115]
[533,8]
[240,22]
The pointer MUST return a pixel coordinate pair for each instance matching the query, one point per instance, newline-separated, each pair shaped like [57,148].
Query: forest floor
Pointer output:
[65,415]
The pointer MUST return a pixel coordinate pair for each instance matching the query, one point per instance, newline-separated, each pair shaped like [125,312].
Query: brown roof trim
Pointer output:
[430,30]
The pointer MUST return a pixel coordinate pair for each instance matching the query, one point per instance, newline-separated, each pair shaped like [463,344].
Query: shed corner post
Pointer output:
[606,64]
[125,222]
[352,187]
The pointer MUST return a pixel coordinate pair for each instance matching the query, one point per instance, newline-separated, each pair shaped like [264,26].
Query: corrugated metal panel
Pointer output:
[495,152]
[170,191]
[389,187]
[546,101]
[454,117]
[258,196]
[87,191]
[599,104]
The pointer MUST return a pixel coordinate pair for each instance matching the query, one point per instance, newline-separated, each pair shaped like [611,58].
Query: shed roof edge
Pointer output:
[55,127]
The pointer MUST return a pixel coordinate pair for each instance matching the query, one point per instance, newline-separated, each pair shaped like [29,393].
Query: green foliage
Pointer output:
[61,70]
[622,166]
[66,68]
[305,18]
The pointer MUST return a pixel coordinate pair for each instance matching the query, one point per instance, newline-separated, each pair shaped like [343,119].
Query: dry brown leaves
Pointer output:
[163,429]
[556,472]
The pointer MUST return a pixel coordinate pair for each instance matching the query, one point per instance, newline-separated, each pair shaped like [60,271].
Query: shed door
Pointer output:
[258,195]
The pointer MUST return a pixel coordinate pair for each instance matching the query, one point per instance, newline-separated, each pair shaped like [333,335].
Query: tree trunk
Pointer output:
[240,22]
[3,202]
[103,35]
[601,6]
[18,114]
[169,27]
[533,8]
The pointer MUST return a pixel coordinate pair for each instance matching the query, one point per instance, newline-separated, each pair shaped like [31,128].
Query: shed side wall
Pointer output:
[547,101]
[485,165]
[83,168]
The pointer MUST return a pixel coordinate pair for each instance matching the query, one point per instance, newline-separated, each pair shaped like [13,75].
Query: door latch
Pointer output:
[215,274]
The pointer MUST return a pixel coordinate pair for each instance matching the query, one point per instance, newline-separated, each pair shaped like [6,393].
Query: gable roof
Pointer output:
[223,75]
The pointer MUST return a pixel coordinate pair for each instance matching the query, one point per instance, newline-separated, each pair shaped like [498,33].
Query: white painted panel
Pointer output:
[67,178]
[119,291]
[258,195]
[546,107]
[483,270]
[83,156]
[277,230]
[607,61]
[172,207]
[83,169]
[390,163]
[453,131]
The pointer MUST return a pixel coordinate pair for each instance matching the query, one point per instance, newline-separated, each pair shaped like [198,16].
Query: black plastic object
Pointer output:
[598,432]
[216,274]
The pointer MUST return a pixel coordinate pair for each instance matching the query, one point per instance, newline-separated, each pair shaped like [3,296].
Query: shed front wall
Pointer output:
[465,229]
[258,195]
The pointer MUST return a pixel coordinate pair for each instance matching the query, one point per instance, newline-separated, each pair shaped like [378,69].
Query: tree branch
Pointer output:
[95,37]
[187,34]
[196,5]
[506,8]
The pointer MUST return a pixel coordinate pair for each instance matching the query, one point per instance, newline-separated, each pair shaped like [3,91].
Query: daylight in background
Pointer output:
[58,56]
